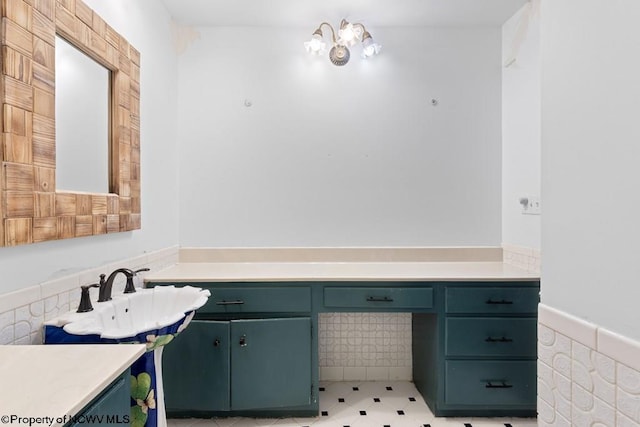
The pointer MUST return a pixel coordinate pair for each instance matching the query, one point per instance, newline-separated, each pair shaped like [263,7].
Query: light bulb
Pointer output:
[349,34]
[316,45]
[369,47]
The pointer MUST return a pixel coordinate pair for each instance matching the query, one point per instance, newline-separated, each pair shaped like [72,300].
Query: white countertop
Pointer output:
[339,271]
[58,380]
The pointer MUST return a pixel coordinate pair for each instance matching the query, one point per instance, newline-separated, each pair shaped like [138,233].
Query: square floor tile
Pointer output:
[364,404]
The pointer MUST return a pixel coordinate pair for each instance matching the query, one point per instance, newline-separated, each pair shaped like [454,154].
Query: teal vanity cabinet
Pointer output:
[252,350]
[478,357]
[249,351]
[111,407]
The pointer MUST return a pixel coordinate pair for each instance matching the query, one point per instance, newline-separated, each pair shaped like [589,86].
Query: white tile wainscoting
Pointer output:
[22,312]
[587,375]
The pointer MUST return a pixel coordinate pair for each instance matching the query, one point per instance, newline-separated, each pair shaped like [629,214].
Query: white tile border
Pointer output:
[603,386]
[12,300]
[354,373]
[331,373]
[619,348]
[63,284]
[377,374]
[368,373]
[27,308]
[571,326]
[401,373]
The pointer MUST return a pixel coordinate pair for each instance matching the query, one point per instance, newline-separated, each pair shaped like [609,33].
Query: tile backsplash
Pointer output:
[586,374]
[364,346]
[519,256]
[22,312]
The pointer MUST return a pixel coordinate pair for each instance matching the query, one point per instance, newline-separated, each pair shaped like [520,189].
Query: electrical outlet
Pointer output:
[530,205]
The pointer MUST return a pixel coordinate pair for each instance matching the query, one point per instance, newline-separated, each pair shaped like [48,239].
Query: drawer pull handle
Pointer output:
[501,339]
[491,384]
[243,341]
[379,299]
[502,301]
[237,302]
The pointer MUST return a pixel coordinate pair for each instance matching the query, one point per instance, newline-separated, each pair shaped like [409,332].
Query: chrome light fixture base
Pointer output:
[339,55]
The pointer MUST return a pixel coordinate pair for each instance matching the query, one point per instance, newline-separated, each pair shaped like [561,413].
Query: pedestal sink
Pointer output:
[152,316]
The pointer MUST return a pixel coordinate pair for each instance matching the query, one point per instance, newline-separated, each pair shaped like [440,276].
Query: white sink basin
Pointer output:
[128,315]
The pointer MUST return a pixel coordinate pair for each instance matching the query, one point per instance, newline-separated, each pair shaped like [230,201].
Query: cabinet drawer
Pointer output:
[378,298]
[482,336]
[268,299]
[494,300]
[498,383]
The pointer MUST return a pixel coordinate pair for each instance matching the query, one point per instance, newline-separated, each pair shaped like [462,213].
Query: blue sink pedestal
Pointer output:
[147,396]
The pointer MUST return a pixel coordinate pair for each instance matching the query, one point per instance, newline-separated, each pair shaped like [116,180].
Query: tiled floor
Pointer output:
[364,404]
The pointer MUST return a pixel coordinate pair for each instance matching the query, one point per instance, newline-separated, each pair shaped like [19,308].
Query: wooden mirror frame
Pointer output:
[31,210]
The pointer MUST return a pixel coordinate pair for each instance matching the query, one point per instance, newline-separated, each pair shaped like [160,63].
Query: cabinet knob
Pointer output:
[216,343]
[243,341]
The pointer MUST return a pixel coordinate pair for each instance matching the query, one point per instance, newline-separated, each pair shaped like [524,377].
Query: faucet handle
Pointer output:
[104,294]
[131,286]
[85,299]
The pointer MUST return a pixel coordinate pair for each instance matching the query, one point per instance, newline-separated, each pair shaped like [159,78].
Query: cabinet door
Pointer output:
[271,363]
[112,407]
[196,368]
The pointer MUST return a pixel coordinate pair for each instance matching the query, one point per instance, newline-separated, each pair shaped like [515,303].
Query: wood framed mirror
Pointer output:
[31,208]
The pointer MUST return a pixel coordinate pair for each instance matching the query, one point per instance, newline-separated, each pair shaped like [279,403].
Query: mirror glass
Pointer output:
[82,121]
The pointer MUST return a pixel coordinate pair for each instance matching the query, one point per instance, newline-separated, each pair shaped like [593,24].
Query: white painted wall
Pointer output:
[351,156]
[147,26]
[590,158]
[521,125]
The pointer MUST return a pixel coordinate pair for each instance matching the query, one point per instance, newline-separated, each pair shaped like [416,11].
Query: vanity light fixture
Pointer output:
[348,35]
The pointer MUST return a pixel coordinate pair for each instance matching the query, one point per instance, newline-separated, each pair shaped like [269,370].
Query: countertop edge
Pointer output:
[64,378]
[108,379]
[341,271]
